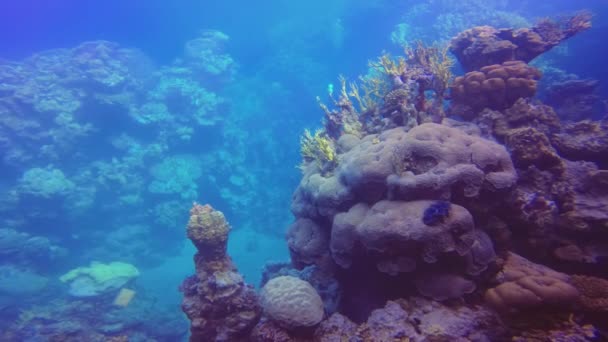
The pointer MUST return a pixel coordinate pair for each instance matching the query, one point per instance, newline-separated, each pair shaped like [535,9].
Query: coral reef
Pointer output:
[449,210]
[409,225]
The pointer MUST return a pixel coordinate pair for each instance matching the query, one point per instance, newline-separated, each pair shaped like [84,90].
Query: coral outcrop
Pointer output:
[220,306]
[416,227]
[486,45]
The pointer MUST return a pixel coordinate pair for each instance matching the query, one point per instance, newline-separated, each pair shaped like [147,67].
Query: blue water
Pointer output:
[105,167]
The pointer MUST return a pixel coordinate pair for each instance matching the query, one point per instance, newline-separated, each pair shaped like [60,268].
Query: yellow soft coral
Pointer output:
[434,59]
[317,147]
[388,65]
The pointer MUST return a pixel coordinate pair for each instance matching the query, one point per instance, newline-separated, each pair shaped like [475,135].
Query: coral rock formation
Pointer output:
[220,306]
[486,45]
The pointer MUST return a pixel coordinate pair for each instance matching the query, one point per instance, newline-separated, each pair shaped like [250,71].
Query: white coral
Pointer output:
[292,302]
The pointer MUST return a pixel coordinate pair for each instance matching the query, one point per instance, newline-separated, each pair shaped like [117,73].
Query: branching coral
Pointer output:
[436,61]
[389,65]
[318,148]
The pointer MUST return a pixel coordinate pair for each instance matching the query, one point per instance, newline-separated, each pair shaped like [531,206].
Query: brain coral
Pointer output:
[292,302]
[495,86]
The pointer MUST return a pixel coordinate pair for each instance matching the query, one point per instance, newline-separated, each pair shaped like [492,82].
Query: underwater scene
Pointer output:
[336,170]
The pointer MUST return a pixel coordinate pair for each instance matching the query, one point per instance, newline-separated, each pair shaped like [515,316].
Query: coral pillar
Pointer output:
[220,306]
